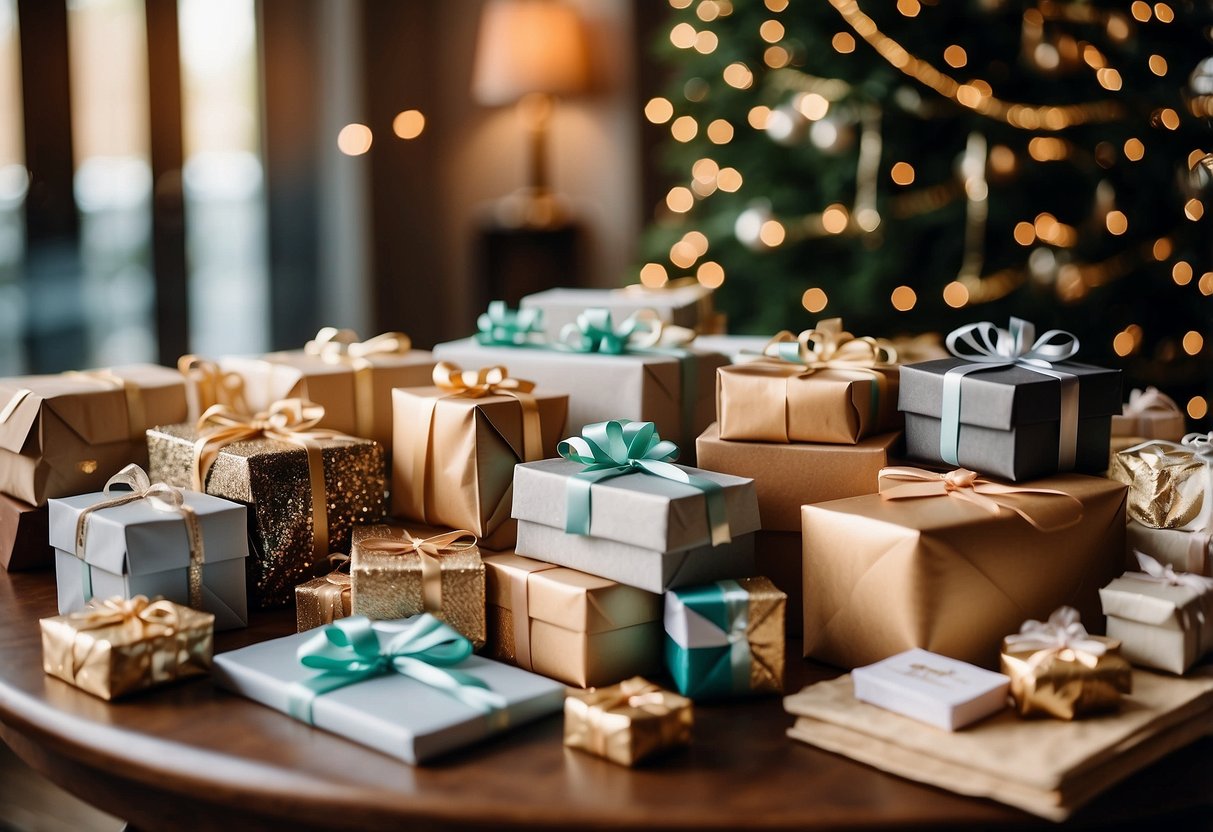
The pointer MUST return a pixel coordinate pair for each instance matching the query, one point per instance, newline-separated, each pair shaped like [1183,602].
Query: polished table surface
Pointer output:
[193,757]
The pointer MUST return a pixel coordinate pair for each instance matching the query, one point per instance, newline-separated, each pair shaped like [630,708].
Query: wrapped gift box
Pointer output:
[23,536]
[644,531]
[392,713]
[1163,619]
[272,478]
[454,456]
[686,305]
[578,628]
[874,568]
[641,386]
[118,647]
[1182,551]
[726,638]
[932,688]
[1168,484]
[394,576]
[322,601]
[65,434]
[1150,414]
[137,549]
[628,722]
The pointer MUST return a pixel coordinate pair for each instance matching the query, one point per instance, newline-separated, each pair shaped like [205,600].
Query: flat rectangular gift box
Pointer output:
[688,306]
[135,549]
[931,688]
[23,536]
[393,714]
[1009,417]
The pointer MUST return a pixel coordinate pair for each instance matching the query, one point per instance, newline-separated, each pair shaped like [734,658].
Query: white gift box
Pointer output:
[931,688]
[1164,625]
[681,305]
[1184,551]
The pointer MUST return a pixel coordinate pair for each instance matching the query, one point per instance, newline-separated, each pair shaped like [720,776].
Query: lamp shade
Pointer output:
[528,46]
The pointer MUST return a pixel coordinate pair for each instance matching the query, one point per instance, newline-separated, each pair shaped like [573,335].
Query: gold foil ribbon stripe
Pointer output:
[136,413]
[427,550]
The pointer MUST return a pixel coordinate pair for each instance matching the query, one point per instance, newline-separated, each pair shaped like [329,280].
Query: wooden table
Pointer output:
[193,757]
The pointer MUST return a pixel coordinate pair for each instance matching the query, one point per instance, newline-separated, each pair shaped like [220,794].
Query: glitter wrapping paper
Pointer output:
[388,586]
[322,601]
[1063,687]
[271,478]
[628,722]
[128,655]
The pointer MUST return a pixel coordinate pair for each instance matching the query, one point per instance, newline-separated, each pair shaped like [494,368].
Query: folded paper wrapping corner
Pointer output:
[1170,484]
[726,638]
[323,600]
[396,573]
[456,445]
[823,385]
[1057,669]
[119,646]
[873,564]
[627,722]
[1150,414]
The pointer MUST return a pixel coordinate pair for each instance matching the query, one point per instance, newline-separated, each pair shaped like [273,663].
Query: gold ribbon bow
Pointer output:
[428,549]
[604,718]
[160,496]
[136,413]
[993,497]
[212,385]
[341,346]
[288,420]
[829,347]
[155,618]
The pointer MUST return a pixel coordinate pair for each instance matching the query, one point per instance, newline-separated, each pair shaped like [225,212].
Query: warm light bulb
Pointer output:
[834,219]
[772,233]
[903,173]
[814,300]
[738,75]
[706,42]
[684,128]
[710,274]
[653,275]
[408,124]
[680,199]
[955,56]
[1116,222]
[843,43]
[683,35]
[1198,408]
[903,298]
[813,106]
[1158,65]
[354,139]
[955,294]
[1194,209]
[659,110]
[1134,150]
[771,31]
[698,241]
[729,179]
[1181,273]
[1194,342]
[720,132]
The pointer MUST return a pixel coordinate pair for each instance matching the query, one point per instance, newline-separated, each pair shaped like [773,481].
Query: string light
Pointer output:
[814,300]
[776,5]
[1134,150]
[955,56]
[1117,223]
[1163,12]
[1206,284]
[710,274]
[684,128]
[1162,249]
[698,241]
[834,219]
[653,275]
[354,139]
[738,75]
[1181,273]
[1194,209]
[408,124]
[706,42]
[659,110]
[903,298]
[843,43]
[683,35]
[1198,408]
[902,173]
[1140,11]
[707,11]
[720,132]
[1193,342]
[772,233]
[955,294]
[680,199]
[729,179]
[757,117]
[771,31]
[1158,65]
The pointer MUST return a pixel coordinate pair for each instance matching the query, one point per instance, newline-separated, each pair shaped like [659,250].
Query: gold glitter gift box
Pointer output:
[399,571]
[118,647]
[282,482]
[627,722]
[323,600]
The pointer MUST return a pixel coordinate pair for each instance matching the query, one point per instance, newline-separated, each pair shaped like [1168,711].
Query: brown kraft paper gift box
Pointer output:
[24,533]
[939,572]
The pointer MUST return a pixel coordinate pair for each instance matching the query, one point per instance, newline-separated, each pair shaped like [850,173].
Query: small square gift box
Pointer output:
[1057,669]
[456,445]
[1150,414]
[351,379]
[581,629]
[1010,404]
[305,487]
[119,646]
[686,303]
[617,507]
[876,566]
[1162,618]
[395,573]
[140,538]
[411,689]
[628,722]
[1170,483]
[824,385]
[65,434]
[932,688]
[725,638]
[323,600]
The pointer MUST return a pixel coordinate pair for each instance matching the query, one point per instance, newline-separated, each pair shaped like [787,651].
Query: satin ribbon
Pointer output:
[619,447]
[1158,573]
[333,595]
[154,618]
[160,496]
[341,346]
[288,420]
[424,649]
[1144,404]
[720,667]
[992,497]
[136,413]
[1200,447]
[520,612]
[986,347]
[428,550]
[1063,636]
[502,326]
[212,384]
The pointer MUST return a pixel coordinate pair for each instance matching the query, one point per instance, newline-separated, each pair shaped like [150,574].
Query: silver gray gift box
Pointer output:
[135,549]
[1010,417]
[392,713]
[645,531]
[682,305]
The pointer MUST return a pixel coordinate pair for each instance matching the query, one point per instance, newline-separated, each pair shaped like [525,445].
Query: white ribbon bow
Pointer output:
[1150,400]
[1155,572]
[1062,634]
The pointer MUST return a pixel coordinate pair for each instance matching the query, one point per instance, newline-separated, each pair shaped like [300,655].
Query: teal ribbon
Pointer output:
[722,668]
[350,651]
[619,447]
[502,326]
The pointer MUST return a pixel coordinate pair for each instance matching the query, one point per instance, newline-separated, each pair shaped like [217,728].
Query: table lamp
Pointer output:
[528,52]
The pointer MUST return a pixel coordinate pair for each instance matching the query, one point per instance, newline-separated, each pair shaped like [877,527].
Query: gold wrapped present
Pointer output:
[627,722]
[580,629]
[65,434]
[323,600]
[118,646]
[1170,483]
[306,488]
[1150,414]
[396,574]
[351,379]
[456,445]
[1057,669]
[823,385]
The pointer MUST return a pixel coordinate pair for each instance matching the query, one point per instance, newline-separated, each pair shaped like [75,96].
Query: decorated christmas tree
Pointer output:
[918,165]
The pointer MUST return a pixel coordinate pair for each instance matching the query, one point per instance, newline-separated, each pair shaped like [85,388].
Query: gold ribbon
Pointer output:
[212,384]
[520,612]
[428,550]
[288,420]
[341,346]
[993,497]
[162,497]
[334,594]
[605,717]
[155,618]
[136,413]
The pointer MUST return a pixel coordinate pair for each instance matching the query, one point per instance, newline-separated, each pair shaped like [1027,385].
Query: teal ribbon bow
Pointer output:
[350,651]
[619,447]
[502,326]
[720,667]
[594,331]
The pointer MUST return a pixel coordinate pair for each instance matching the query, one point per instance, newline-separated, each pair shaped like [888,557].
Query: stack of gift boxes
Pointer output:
[519,494]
